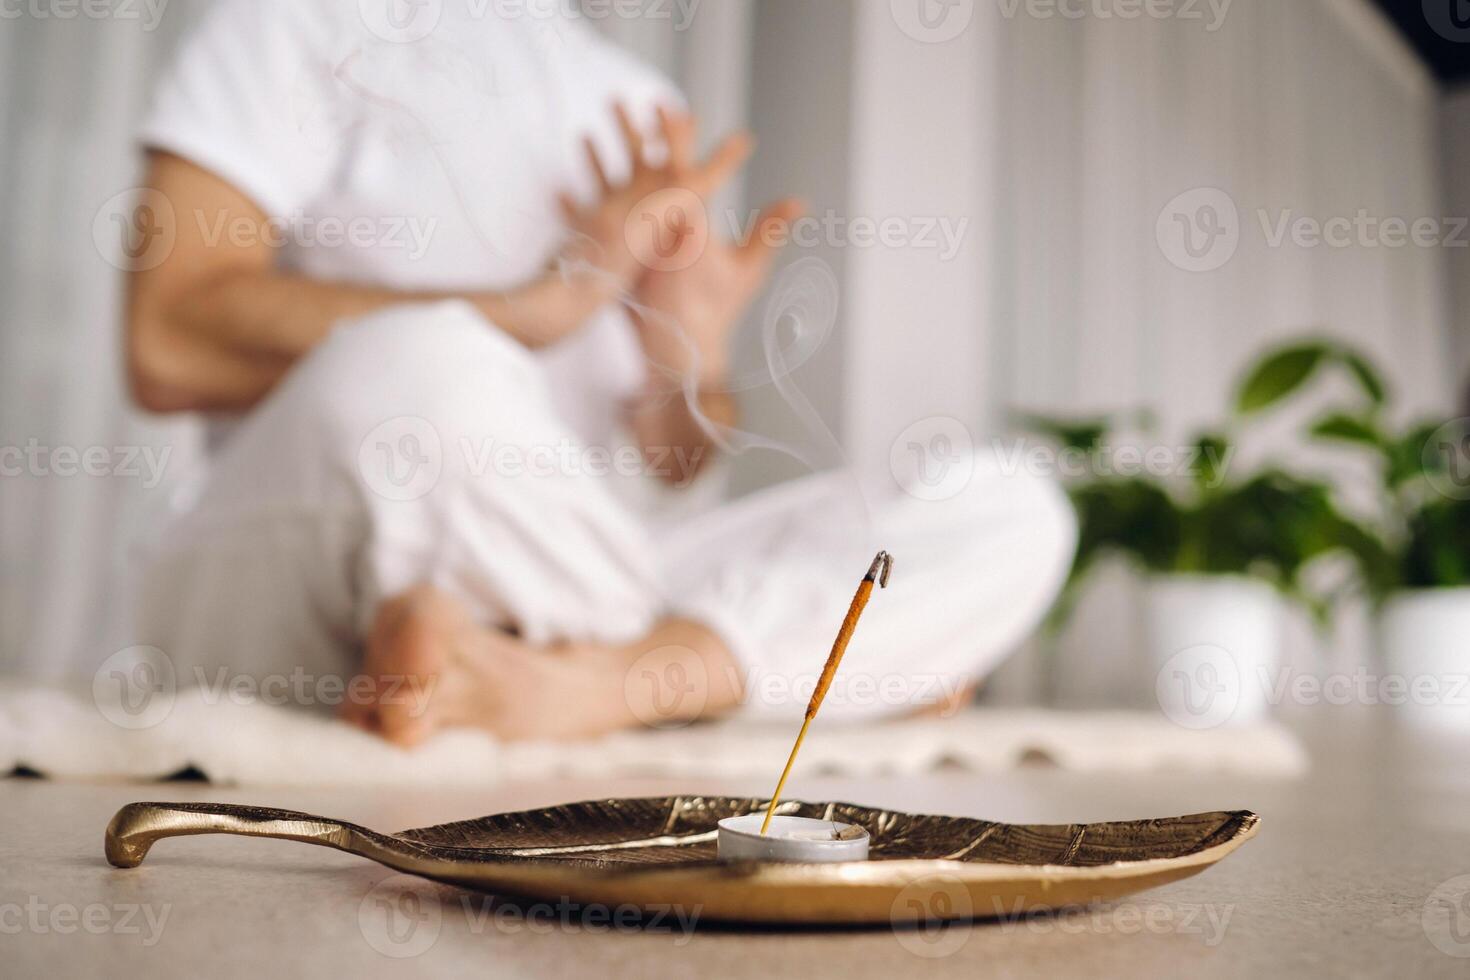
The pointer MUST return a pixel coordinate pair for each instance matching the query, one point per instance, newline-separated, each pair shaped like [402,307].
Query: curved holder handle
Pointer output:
[137,826]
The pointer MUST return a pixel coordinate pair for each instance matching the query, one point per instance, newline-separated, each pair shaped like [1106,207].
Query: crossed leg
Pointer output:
[355,527]
[351,528]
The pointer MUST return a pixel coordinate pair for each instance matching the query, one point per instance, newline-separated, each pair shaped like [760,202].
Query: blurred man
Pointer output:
[404,267]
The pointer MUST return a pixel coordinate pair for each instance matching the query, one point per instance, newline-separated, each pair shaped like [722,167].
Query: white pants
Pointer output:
[404,451]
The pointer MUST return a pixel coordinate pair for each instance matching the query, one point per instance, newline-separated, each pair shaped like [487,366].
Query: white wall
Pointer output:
[1455,128]
[925,147]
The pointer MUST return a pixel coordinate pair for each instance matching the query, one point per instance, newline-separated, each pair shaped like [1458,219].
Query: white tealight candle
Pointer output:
[798,840]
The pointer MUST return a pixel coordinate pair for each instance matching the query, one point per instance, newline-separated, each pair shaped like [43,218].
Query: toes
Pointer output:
[404,729]
[390,707]
[406,653]
[356,710]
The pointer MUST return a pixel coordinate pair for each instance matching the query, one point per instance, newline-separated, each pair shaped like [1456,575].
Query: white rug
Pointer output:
[63,735]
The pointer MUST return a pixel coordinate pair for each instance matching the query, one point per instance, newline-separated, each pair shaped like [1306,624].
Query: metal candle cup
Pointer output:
[794,840]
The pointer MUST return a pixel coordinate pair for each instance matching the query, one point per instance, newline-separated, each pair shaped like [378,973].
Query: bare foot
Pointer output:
[409,649]
[429,666]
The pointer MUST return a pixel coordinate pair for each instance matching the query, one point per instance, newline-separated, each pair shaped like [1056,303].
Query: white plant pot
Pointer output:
[1425,639]
[1214,643]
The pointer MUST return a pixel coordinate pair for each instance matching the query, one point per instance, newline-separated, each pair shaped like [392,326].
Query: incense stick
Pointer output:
[877,572]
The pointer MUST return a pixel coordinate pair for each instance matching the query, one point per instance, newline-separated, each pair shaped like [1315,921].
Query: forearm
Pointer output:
[674,440]
[223,341]
[226,340]
[280,315]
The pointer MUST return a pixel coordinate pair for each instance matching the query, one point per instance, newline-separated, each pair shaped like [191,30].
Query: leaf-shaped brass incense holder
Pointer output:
[660,852]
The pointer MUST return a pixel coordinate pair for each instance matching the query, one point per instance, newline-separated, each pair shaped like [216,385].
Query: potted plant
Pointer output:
[1414,562]
[1220,552]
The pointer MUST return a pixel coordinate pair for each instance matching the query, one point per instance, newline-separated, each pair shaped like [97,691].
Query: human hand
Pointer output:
[620,233]
[686,313]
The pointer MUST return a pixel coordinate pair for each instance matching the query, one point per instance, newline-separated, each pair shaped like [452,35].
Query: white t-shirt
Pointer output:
[416,146]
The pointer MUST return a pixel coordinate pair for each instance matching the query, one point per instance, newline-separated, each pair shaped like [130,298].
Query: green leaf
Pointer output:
[1378,567]
[1342,427]
[1133,517]
[1367,376]
[1213,450]
[1083,434]
[1278,375]
[1437,554]
[1408,459]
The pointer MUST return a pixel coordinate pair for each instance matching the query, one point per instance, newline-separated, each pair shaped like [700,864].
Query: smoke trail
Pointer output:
[799,316]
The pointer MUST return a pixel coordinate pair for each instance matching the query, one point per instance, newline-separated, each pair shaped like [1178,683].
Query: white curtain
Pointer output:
[1291,108]
[71,90]
[1455,166]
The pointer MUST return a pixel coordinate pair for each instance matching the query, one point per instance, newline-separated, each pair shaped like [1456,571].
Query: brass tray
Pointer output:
[660,852]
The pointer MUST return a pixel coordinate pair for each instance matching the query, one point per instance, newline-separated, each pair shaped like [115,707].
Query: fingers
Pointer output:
[772,230]
[632,137]
[599,174]
[727,158]
[677,129]
[356,714]
[570,210]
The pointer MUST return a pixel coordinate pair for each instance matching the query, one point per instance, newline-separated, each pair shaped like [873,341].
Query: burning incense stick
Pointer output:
[877,572]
